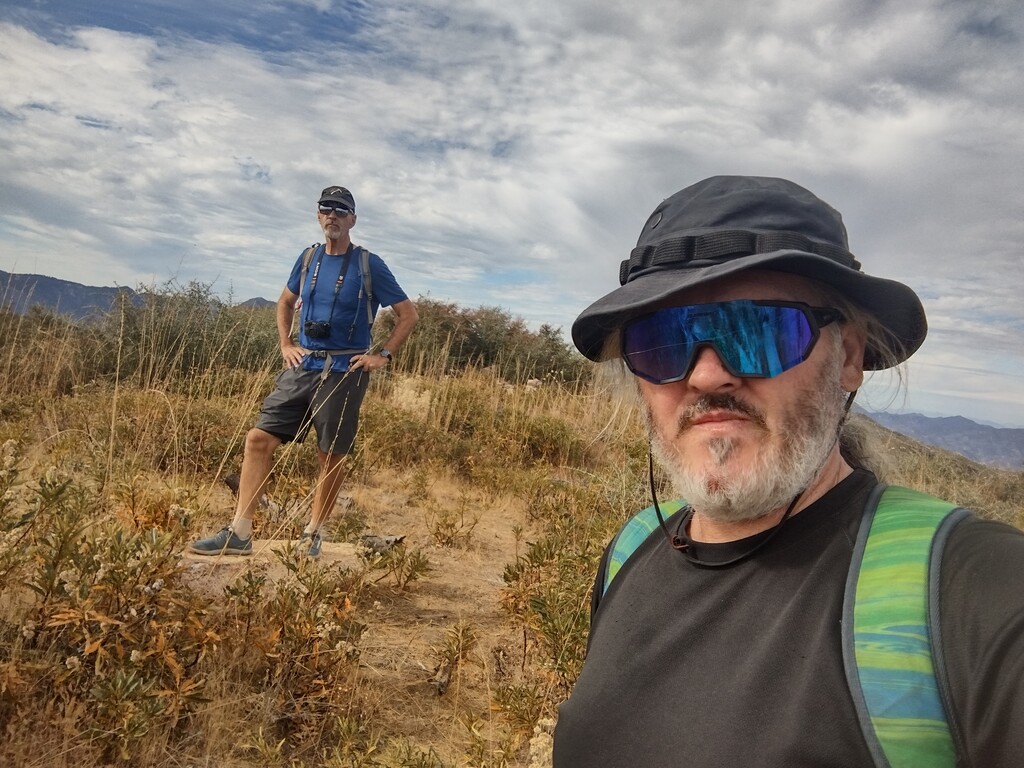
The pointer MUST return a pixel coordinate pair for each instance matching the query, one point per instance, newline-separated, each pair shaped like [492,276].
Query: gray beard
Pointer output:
[782,470]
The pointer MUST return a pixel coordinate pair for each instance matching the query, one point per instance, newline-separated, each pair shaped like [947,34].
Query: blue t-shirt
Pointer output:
[344,309]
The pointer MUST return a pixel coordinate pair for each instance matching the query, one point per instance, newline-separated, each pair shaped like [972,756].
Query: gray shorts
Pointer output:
[301,400]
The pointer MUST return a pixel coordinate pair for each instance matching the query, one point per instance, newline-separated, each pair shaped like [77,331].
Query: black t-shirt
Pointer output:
[743,666]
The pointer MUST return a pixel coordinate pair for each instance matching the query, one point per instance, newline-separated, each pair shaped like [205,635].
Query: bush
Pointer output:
[484,337]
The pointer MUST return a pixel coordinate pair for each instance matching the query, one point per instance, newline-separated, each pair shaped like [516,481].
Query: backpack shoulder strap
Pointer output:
[364,267]
[631,536]
[891,639]
[307,258]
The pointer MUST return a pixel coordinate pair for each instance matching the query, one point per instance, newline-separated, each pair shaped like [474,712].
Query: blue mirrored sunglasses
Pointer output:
[753,339]
[337,210]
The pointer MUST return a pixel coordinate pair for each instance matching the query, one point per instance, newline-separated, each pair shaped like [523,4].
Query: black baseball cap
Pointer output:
[729,224]
[338,195]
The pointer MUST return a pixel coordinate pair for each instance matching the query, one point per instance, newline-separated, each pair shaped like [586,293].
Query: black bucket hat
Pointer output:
[729,224]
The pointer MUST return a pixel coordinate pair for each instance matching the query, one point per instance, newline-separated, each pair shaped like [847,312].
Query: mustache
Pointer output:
[720,402]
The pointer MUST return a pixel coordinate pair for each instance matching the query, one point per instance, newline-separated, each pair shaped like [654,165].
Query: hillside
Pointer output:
[997,447]
[993,446]
[452,649]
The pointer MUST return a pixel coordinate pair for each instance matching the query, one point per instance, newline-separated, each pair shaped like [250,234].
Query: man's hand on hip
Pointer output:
[369,362]
[293,354]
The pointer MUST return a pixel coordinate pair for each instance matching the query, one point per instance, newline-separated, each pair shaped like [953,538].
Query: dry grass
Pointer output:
[447,651]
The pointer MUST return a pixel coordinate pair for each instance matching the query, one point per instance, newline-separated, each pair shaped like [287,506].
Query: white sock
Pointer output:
[310,528]
[242,527]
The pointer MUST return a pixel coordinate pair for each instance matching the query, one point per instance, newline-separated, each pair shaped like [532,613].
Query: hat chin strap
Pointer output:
[847,407]
[679,541]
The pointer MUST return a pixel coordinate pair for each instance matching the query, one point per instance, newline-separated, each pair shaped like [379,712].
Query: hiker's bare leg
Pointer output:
[256,463]
[333,471]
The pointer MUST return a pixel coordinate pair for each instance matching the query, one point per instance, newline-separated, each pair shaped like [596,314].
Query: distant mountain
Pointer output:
[987,445]
[74,300]
[19,292]
[258,303]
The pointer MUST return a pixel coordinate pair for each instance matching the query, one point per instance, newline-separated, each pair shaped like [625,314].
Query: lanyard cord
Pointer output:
[679,541]
[337,285]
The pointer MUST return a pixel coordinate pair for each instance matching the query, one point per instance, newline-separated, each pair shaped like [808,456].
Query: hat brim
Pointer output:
[338,200]
[893,304]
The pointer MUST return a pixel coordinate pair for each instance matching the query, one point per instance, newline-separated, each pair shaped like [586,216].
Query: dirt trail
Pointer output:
[208,574]
[404,626]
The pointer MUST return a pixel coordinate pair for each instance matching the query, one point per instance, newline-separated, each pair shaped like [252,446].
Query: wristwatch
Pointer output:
[385,354]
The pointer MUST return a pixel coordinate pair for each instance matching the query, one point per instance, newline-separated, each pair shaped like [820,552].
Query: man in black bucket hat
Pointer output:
[789,609]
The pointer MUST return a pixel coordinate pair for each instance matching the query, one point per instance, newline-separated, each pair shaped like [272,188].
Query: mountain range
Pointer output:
[994,446]
[79,302]
[20,292]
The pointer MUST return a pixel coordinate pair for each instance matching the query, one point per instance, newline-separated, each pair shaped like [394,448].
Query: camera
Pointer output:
[318,329]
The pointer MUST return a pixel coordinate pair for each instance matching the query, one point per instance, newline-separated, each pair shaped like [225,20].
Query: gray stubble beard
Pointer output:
[781,471]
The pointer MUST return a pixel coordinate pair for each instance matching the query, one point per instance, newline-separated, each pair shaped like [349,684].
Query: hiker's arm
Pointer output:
[405,319]
[290,351]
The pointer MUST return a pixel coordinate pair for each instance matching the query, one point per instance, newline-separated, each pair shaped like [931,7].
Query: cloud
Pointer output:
[508,154]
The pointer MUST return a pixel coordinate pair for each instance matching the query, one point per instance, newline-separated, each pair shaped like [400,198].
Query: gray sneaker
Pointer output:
[315,542]
[224,542]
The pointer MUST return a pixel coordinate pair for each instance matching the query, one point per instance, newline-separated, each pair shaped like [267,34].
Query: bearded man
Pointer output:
[735,628]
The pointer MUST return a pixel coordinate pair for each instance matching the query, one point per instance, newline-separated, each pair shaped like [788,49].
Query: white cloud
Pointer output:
[510,153]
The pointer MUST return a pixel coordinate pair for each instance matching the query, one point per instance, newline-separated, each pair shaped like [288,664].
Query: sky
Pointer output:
[508,154]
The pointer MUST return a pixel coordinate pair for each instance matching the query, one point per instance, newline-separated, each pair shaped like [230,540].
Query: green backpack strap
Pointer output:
[891,642]
[632,535]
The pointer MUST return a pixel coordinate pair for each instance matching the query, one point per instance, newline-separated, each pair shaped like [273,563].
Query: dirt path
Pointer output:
[463,585]
[407,627]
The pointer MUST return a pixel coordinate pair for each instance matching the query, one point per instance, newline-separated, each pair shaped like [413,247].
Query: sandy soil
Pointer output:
[398,660]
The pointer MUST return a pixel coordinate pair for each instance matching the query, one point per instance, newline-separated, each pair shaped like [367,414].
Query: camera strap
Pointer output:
[345,261]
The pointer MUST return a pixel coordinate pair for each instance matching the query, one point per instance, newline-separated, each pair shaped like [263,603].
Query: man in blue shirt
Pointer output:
[326,372]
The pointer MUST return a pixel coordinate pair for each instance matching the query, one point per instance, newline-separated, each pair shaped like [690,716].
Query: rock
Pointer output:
[209,574]
[379,545]
[542,743]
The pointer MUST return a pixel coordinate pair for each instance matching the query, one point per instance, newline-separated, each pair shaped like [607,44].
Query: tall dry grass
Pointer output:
[114,436]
